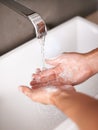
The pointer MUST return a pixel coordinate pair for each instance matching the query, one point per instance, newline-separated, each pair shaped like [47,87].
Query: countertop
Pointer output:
[93,17]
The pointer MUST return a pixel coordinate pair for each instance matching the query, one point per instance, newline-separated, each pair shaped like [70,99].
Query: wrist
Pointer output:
[62,100]
[79,107]
[92,59]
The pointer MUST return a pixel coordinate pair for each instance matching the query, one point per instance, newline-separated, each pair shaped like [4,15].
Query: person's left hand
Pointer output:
[68,69]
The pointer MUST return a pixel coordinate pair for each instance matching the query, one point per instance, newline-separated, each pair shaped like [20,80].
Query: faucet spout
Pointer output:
[35,18]
[39,25]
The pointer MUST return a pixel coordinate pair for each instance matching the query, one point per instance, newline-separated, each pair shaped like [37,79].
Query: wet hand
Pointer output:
[68,68]
[45,95]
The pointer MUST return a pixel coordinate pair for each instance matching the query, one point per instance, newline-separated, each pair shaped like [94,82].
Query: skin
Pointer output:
[81,108]
[68,68]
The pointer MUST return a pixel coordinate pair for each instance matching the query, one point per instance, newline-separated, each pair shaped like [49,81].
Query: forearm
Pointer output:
[92,58]
[82,109]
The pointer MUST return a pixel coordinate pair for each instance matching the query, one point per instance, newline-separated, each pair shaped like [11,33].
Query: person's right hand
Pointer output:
[69,69]
[82,109]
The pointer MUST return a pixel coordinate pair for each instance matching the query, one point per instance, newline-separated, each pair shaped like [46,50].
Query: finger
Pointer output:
[53,61]
[57,83]
[26,90]
[54,82]
[51,80]
[44,75]
[36,86]
[38,70]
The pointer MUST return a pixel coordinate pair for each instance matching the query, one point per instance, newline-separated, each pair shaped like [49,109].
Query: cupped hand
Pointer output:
[45,95]
[68,68]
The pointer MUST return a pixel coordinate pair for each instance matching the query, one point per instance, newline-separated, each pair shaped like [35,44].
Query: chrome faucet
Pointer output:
[39,25]
[35,18]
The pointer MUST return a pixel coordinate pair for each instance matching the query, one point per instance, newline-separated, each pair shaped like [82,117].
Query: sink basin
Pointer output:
[17,112]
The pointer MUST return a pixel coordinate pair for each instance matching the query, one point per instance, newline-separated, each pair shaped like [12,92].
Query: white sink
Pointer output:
[17,112]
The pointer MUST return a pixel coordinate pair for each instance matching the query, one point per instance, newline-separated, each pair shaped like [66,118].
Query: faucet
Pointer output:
[33,17]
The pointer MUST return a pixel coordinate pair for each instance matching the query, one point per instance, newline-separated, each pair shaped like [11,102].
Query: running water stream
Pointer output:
[49,111]
[42,44]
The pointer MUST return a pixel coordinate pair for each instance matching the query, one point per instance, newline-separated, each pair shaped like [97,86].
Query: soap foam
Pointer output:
[51,89]
[66,75]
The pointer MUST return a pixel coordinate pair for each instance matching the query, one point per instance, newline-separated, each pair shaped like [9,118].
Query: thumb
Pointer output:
[53,61]
[26,90]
